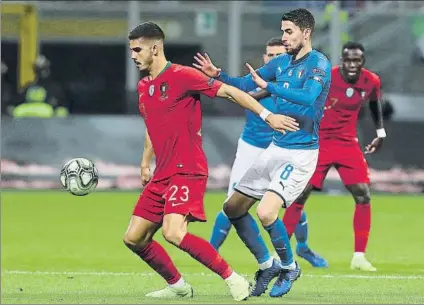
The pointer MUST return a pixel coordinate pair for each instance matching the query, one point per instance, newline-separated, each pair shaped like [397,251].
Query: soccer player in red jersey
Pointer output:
[351,86]
[170,105]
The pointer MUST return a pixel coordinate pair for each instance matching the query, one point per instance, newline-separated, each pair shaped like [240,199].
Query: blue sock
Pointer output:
[220,230]
[301,232]
[278,233]
[248,230]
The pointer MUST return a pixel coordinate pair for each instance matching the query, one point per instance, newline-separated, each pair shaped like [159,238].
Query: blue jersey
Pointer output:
[301,88]
[256,132]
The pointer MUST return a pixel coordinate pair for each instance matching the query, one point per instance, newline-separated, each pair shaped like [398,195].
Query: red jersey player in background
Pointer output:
[351,86]
[170,105]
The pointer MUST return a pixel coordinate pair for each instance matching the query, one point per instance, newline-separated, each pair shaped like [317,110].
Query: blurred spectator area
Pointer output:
[86,42]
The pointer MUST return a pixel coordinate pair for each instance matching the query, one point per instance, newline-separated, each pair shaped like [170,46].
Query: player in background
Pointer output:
[255,138]
[170,105]
[351,86]
[283,170]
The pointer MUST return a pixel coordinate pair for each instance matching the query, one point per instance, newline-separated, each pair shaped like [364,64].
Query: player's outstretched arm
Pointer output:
[278,122]
[146,159]
[245,83]
[316,79]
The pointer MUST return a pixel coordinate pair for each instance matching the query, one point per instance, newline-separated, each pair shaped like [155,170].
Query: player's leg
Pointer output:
[290,175]
[361,225]
[184,203]
[220,230]
[144,223]
[353,170]
[294,211]
[250,189]
[295,218]
[245,156]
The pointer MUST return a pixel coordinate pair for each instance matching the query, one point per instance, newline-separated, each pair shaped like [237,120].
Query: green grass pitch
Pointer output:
[57,248]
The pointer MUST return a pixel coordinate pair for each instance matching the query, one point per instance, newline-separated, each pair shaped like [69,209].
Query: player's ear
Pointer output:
[307,33]
[155,49]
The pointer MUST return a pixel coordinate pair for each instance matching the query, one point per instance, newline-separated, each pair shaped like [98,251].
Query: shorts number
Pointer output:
[286,172]
[184,190]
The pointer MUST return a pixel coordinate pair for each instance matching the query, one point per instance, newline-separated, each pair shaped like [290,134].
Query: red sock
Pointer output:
[157,258]
[206,254]
[361,226]
[292,217]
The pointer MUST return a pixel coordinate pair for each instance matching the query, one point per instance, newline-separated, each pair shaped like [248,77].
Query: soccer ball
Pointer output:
[79,176]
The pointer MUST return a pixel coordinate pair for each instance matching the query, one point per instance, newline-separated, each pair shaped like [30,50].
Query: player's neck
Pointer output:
[305,50]
[157,67]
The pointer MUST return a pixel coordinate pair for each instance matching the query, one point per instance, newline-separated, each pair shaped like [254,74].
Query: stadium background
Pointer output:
[58,248]
[86,43]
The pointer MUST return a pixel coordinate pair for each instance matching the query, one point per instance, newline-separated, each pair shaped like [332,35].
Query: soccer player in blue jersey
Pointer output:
[255,138]
[302,79]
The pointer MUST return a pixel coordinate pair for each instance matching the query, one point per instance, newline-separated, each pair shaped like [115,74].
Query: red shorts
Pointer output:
[179,194]
[346,157]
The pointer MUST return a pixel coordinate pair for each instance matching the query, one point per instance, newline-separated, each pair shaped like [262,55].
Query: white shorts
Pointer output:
[283,171]
[246,155]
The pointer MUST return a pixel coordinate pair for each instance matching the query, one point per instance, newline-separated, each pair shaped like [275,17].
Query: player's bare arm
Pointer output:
[278,122]
[146,160]
[376,110]
[260,94]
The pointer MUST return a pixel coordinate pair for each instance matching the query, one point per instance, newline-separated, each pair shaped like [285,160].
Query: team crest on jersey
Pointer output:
[290,72]
[151,90]
[349,92]
[363,94]
[163,90]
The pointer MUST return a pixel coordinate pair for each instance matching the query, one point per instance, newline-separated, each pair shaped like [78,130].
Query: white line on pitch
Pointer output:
[72,273]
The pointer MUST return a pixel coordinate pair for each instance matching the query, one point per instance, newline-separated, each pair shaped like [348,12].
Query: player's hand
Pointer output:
[204,64]
[282,123]
[374,146]
[256,78]
[145,175]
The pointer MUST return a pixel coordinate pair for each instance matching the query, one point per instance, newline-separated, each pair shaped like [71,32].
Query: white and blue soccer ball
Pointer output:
[79,176]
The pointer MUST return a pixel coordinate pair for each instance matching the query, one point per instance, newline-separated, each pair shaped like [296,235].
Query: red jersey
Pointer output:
[344,102]
[170,106]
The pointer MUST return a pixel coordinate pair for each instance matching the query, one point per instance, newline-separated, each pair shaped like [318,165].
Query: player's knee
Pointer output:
[173,236]
[361,193]
[231,207]
[266,216]
[174,229]
[135,243]
[237,205]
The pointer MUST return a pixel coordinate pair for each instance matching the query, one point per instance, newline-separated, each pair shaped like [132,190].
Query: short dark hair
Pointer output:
[275,41]
[149,30]
[300,17]
[352,45]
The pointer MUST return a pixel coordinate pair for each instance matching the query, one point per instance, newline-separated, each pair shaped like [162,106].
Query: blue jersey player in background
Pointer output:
[255,138]
[302,79]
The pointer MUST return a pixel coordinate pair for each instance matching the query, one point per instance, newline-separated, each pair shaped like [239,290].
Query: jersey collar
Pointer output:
[168,64]
[296,61]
